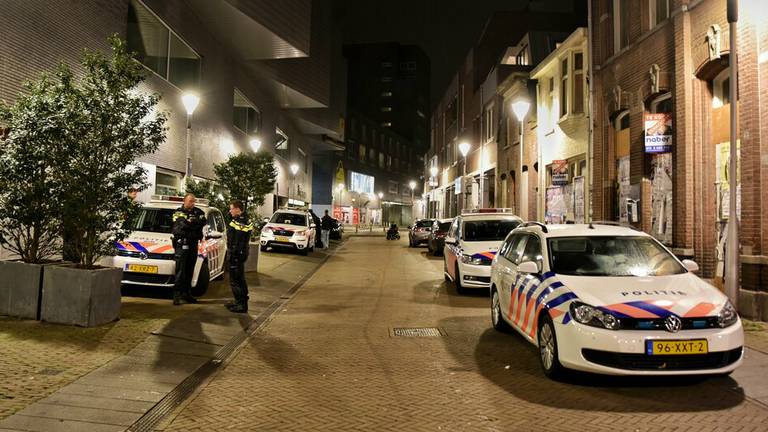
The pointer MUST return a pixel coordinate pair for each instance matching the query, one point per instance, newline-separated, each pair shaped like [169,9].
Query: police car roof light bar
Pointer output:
[536,224]
[486,210]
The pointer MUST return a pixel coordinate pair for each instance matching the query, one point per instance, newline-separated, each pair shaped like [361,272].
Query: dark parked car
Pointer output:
[419,232]
[436,240]
[336,231]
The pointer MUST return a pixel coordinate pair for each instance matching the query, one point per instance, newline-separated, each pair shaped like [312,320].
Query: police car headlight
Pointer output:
[727,315]
[266,230]
[467,259]
[591,316]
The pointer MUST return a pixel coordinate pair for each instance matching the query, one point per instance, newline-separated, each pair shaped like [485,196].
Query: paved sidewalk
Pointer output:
[329,362]
[59,378]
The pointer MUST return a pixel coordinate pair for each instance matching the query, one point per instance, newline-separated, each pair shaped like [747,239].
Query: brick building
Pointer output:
[262,70]
[664,63]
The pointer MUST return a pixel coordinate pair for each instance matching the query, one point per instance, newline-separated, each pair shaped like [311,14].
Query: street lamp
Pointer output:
[520,108]
[464,150]
[294,169]
[190,101]
[381,206]
[732,245]
[255,144]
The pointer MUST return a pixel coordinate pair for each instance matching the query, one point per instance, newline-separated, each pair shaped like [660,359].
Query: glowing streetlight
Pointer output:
[433,171]
[381,195]
[255,144]
[294,169]
[190,101]
[464,148]
[412,185]
[520,108]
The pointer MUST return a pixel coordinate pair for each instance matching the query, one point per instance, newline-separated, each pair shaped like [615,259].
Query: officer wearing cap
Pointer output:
[188,223]
[238,236]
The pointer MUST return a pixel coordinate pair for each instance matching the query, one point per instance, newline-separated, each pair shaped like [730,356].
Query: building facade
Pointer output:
[259,68]
[661,115]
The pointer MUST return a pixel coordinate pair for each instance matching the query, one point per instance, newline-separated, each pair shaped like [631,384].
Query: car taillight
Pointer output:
[440,234]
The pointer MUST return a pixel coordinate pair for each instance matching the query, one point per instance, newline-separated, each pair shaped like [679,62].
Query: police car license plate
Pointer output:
[141,268]
[676,347]
[282,239]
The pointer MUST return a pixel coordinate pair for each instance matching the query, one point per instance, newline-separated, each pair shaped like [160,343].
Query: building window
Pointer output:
[488,129]
[522,56]
[659,11]
[372,156]
[386,94]
[381,160]
[389,162]
[386,109]
[387,124]
[386,64]
[393,187]
[621,24]
[167,183]
[362,153]
[246,116]
[564,87]
[721,89]
[160,49]
[578,83]
[410,66]
[386,79]
[282,147]
[303,160]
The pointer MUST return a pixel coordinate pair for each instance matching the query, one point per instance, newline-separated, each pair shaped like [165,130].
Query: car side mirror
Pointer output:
[214,235]
[691,265]
[450,241]
[528,267]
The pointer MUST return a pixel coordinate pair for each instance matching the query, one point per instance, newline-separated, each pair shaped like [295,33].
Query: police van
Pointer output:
[146,255]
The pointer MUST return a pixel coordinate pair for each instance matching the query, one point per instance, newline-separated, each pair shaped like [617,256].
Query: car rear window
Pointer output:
[489,230]
[289,219]
[424,223]
[152,220]
[444,227]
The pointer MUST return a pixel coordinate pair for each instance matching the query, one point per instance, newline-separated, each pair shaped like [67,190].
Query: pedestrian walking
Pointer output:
[188,223]
[326,225]
[238,237]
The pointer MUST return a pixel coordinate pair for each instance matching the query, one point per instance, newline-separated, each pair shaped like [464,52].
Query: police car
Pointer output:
[289,228]
[472,242]
[146,256]
[611,300]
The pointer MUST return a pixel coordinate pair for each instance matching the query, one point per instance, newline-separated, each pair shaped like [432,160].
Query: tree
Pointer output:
[29,193]
[248,177]
[109,125]
[207,190]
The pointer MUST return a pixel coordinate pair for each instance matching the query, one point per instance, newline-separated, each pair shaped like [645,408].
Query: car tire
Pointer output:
[457,281]
[548,353]
[497,318]
[263,248]
[203,280]
[429,247]
[304,252]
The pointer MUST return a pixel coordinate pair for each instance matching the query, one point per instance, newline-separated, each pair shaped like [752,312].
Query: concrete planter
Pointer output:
[20,286]
[252,263]
[85,298]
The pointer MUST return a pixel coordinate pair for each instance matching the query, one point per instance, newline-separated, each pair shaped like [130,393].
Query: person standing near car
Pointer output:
[238,236]
[188,223]
[316,220]
[326,225]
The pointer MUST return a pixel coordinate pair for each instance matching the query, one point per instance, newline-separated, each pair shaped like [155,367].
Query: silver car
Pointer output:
[419,232]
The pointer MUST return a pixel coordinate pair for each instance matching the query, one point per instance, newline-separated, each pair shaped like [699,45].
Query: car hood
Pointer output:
[648,297]
[147,242]
[487,249]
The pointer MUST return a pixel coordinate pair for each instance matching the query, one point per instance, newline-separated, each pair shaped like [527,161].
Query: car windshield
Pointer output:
[152,220]
[489,230]
[611,256]
[444,227]
[424,223]
[289,219]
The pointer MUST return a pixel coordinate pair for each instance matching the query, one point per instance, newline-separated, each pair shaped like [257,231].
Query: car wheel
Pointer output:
[429,247]
[203,280]
[263,248]
[304,252]
[548,355]
[496,316]
[457,281]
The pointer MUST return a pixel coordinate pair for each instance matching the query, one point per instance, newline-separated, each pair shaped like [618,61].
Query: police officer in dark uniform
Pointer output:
[238,236]
[188,223]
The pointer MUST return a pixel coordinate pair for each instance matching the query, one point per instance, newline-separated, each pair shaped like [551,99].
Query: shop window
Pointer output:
[282,147]
[659,11]
[246,117]
[160,49]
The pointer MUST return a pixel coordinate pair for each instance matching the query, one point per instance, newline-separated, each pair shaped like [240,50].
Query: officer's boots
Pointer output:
[177,299]
[238,307]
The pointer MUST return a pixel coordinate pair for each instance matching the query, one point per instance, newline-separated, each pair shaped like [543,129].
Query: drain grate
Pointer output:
[50,371]
[416,332]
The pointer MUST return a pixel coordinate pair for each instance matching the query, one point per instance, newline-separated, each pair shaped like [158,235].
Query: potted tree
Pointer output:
[29,220]
[110,124]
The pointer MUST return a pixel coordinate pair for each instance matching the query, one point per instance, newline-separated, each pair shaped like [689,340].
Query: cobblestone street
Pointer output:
[329,361]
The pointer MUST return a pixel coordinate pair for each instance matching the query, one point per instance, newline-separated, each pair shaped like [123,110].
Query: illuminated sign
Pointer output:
[360,182]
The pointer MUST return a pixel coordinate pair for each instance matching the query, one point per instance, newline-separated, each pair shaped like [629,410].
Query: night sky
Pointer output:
[445,29]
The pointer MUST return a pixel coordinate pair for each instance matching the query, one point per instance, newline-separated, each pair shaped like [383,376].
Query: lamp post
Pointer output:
[412,185]
[464,149]
[732,245]
[520,108]
[381,206]
[190,101]
[433,172]
[294,170]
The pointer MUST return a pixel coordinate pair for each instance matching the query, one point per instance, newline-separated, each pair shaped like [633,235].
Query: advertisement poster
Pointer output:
[578,200]
[722,160]
[624,188]
[658,132]
[556,207]
[661,197]
[559,172]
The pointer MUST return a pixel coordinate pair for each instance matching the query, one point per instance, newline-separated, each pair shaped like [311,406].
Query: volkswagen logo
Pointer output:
[673,324]
[143,255]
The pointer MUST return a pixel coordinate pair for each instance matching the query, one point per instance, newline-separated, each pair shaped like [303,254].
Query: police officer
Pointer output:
[238,236]
[188,223]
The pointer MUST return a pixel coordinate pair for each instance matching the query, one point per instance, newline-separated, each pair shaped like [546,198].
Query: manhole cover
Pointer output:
[416,332]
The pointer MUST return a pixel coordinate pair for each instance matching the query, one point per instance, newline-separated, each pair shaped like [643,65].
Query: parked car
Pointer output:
[289,228]
[436,239]
[418,233]
[146,256]
[472,242]
[337,231]
[611,300]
